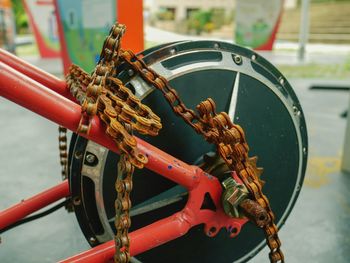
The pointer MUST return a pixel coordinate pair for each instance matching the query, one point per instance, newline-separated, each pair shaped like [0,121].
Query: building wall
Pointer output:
[181,7]
[290,4]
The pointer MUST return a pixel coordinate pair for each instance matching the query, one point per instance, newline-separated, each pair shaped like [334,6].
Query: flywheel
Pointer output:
[254,94]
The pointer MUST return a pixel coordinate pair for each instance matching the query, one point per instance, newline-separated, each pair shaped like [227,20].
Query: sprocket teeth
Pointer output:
[259,171]
[253,160]
[262,183]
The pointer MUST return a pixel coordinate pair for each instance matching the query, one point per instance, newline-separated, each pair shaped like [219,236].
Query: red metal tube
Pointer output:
[174,226]
[35,73]
[32,204]
[32,95]
[141,240]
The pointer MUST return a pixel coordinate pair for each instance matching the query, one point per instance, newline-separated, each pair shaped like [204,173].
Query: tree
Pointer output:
[20,16]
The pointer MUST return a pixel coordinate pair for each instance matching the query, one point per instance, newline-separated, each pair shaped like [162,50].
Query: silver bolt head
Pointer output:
[130,72]
[237,59]
[90,158]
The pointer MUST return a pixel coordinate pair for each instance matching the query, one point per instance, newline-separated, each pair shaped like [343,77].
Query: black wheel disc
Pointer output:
[241,83]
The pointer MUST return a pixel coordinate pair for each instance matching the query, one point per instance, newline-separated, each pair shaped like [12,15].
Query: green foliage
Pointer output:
[347,64]
[313,70]
[218,17]
[208,20]
[20,16]
[200,20]
[165,15]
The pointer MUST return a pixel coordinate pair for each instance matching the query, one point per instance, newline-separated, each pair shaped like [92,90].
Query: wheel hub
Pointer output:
[253,93]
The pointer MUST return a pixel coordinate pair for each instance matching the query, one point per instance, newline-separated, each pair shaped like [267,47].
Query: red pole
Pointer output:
[35,73]
[141,240]
[45,102]
[66,61]
[175,226]
[26,207]
[132,17]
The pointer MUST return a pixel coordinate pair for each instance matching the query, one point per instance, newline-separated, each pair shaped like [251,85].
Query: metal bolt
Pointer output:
[304,150]
[172,51]
[295,110]
[255,212]
[76,200]
[281,81]
[237,59]
[216,45]
[232,196]
[78,155]
[92,240]
[90,158]
[253,57]
[131,72]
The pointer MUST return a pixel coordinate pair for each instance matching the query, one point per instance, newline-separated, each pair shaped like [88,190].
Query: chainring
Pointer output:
[242,83]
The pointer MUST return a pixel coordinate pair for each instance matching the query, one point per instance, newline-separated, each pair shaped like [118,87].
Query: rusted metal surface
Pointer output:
[255,212]
[217,128]
[62,145]
[39,99]
[120,110]
[104,95]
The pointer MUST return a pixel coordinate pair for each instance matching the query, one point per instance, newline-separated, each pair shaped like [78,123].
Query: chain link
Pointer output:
[62,145]
[104,95]
[217,128]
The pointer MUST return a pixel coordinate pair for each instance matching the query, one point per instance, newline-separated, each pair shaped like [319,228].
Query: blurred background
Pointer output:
[307,40]
[294,34]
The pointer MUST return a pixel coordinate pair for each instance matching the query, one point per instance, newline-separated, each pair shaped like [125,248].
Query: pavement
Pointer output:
[318,228]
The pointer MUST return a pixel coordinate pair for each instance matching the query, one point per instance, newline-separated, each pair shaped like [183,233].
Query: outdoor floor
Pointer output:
[318,229]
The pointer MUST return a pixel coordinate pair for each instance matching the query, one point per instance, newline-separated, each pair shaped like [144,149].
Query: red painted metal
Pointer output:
[36,97]
[45,50]
[45,102]
[35,73]
[27,206]
[175,226]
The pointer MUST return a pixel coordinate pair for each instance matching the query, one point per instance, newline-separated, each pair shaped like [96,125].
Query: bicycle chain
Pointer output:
[104,95]
[101,93]
[217,128]
[62,145]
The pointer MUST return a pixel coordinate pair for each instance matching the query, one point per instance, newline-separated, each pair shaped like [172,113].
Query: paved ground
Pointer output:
[317,230]
[318,227]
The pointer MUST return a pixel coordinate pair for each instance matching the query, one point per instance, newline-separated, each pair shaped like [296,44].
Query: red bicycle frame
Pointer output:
[48,96]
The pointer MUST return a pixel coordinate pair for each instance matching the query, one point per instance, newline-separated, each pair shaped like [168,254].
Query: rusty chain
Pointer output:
[63,153]
[121,111]
[104,95]
[217,128]
[62,145]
